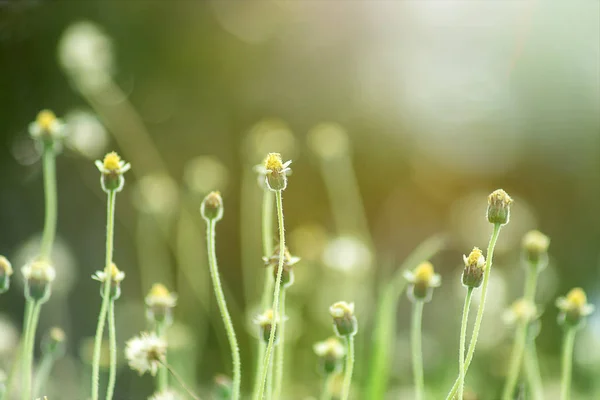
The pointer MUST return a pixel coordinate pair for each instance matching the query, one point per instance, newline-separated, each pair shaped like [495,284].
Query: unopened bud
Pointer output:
[54,342]
[39,276]
[212,207]
[344,321]
[535,248]
[498,211]
[331,354]
[474,268]
[423,279]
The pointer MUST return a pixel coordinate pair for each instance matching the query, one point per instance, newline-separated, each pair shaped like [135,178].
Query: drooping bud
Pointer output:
[331,354]
[287,275]
[112,169]
[5,272]
[276,172]
[573,308]
[160,303]
[498,211]
[474,268]
[116,277]
[535,248]
[344,321]
[212,207]
[422,281]
[39,276]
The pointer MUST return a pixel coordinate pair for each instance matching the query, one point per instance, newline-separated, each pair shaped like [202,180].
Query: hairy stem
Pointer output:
[349,367]
[532,370]
[233,344]
[280,349]
[29,345]
[417,352]
[567,363]
[112,337]
[49,162]
[463,339]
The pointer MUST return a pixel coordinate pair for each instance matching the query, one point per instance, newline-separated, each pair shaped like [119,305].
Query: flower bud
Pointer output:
[573,308]
[474,268]
[331,354]
[47,128]
[287,275]
[116,277]
[39,276]
[5,272]
[212,207]
[498,211]
[535,248]
[223,387]
[112,170]
[266,323]
[521,311]
[423,279]
[54,342]
[344,321]
[276,172]
[160,303]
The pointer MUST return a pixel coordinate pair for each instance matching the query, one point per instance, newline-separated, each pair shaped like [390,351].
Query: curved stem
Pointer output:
[43,373]
[417,352]
[180,381]
[567,363]
[112,334]
[349,367]
[463,339]
[280,349]
[233,344]
[29,345]
[480,310]
[269,350]
[110,227]
[49,162]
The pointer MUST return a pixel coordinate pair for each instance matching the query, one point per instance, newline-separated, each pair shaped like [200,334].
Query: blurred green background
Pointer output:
[433,104]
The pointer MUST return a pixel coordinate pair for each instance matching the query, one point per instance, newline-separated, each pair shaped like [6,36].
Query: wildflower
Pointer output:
[498,211]
[145,353]
[211,208]
[160,303]
[521,311]
[223,387]
[275,172]
[47,127]
[573,308]
[165,395]
[331,353]
[54,342]
[344,321]
[116,277]
[287,275]
[5,272]
[266,322]
[112,169]
[423,279]
[474,267]
[535,247]
[39,276]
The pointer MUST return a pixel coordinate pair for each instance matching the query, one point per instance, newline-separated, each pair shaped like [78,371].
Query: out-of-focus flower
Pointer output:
[535,248]
[38,276]
[156,194]
[347,254]
[422,281]
[521,311]
[47,127]
[5,272]
[160,303]
[328,140]
[9,336]
[203,174]
[574,307]
[145,353]
[344,321]
[331,353]
[116,277]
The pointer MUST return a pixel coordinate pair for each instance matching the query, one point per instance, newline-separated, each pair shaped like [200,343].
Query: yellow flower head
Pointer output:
[46,119]
[475,258]
[274,163]
[159,290]
[57,334]
[112,162]
[574,307]
[424,272]
[521,310]
[577,298]
[499,198]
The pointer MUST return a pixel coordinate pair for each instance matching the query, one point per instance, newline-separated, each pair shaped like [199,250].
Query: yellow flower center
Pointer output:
[273,162]
[268,315]
[577,298]
[159,290]
[114,271]
[474,257]
[112,161]
[57,334]
[424,272]
[45,119]
[500,198]
[536,241]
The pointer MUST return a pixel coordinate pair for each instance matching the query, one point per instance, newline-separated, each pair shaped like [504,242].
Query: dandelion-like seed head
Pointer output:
[535,247]
[344,322]
[499,203]
[145,353]
[574,307]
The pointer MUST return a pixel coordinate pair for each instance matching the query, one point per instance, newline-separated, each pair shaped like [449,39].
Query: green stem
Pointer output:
[326,393]
[267,242]
[269,350]
[567,363]
[43,373]
[280,349]
[417,352]
[463,339]
[532,370]
[29,345]
[110,227]
[49,162]
[480,310]
[112,334]
[180,381]
[269,382]
[349,367]
[162,380]
[214,272]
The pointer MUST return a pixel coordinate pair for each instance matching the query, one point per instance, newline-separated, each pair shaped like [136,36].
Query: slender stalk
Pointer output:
[567,363]
[480,310]
[532,370]
[180,381]
[29,344]
[269,350]
[417,352]
[326,393]
[463,339]
[49,162]
[110,227]
[349,367]
[162,381]
[520,339]
[214,272]
[269,383]
[112,337]
[267,242]
[43,373]
[280,349]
